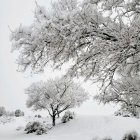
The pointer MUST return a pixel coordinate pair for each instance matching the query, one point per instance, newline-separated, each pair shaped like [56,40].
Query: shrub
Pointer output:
[2,111]
[131,136]
[127,113]
[38,116]
[19,113]
[122,113]
[67,116]
[36,127]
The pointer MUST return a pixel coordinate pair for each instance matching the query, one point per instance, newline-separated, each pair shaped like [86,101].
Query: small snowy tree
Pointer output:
[19,113]
[55,96]
[2,111]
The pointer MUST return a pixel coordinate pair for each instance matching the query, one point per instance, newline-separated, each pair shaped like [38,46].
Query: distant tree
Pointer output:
[19,113]
[55,96]
[2,111]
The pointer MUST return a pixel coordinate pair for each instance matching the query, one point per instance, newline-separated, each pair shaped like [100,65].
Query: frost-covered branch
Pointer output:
[99,37]
[124,91]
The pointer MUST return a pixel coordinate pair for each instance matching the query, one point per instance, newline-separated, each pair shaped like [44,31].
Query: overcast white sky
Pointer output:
[13,83]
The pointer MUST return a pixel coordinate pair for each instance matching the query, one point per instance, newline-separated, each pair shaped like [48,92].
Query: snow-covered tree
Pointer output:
[101,37]
[2,111]
[19,113]
[124,91]
[55,96]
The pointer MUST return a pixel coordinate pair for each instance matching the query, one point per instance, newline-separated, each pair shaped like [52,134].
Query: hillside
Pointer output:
[81,128]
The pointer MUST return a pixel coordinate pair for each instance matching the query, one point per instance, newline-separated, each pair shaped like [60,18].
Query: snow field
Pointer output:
[80,128]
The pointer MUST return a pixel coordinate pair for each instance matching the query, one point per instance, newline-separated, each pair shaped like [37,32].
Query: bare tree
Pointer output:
[55,96]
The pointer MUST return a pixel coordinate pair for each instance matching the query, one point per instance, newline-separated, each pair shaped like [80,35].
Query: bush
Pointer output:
[96,138]
[67,116]
[127,112]
[35,127]
[2,111]
[122,113]
[38,116]
[19,113]
[131,136]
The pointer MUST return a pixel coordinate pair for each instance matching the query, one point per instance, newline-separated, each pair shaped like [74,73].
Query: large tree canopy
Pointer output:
[99,36]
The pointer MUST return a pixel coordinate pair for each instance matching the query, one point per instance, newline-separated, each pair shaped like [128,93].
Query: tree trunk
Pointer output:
[53,120]
[58,114]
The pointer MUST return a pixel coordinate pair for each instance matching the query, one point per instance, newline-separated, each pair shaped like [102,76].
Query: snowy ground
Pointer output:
[81,128]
